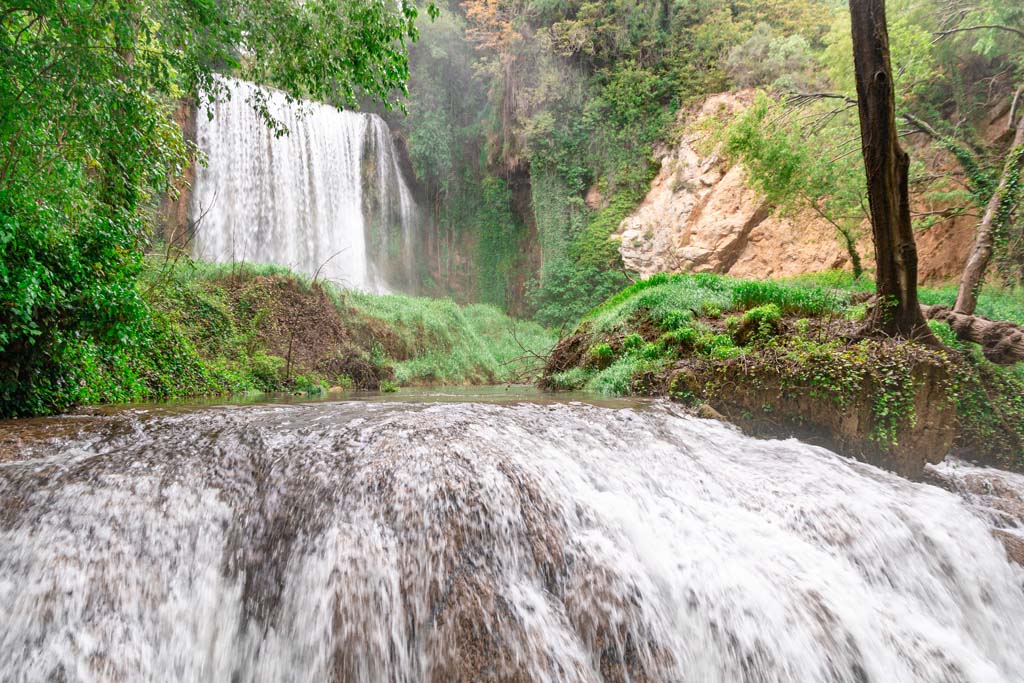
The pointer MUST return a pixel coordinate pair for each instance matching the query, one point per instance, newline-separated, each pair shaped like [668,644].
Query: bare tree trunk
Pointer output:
[897,312]
[984,239]
[1001,342]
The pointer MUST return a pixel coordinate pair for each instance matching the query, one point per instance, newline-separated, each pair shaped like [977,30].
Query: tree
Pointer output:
[809,165]
[996,213]
[990,29]
[897,311]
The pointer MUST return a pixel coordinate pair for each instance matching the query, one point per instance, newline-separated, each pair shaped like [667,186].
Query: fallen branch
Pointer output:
[1001,342]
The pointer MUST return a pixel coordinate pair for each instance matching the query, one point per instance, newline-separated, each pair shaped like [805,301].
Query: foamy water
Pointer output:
[477,542]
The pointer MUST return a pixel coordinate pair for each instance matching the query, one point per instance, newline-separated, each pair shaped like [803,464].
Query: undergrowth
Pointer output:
[697,336]
[218,329]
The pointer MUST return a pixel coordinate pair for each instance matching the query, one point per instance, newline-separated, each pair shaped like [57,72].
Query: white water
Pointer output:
[327,198]
[470,542]
[994,494]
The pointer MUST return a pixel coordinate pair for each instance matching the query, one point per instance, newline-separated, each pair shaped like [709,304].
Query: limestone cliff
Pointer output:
[701,216]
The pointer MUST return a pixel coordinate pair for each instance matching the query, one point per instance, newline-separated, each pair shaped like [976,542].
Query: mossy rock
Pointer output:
[770,403]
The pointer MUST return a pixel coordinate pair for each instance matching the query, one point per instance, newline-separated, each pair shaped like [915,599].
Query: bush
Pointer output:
[601,355]
[569,291]
[761,322]
[632,342]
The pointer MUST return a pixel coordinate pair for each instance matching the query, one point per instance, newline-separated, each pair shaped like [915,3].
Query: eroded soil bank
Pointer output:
[786,360]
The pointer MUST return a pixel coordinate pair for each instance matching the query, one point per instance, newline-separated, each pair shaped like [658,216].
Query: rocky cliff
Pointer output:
[701,216]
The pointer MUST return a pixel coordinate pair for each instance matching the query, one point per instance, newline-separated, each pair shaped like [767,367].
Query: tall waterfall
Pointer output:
[328,198]
[453,543]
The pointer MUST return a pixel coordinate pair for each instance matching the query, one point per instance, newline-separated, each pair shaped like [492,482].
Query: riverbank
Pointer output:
[786,359]
[219,330]
[276,330]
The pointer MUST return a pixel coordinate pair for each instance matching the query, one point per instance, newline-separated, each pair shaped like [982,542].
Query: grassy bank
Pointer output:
[994,302]
[762,348]
[226,329]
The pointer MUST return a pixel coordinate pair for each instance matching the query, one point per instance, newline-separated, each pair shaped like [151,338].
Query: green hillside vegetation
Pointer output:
[522,110]
[224,329]
[701,337]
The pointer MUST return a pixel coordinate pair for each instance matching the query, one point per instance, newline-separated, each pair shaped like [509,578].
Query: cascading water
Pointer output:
[390,209]
[391,542]
[329,198]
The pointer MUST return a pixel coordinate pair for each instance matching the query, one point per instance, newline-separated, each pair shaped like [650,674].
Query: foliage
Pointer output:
[208,332]
[995,303]
[786,163]
[500,244]
[570,99]
[800,141]
[442,343]
[658,329]
[768,59]
[672,301]
[570,291]
[89,141]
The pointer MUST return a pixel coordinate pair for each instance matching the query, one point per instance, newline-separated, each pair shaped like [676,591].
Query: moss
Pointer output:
[786,344]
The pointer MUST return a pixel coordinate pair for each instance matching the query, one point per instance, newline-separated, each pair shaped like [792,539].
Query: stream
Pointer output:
[474,536]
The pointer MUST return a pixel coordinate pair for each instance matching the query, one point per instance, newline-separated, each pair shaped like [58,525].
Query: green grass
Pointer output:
[449,344]
[207,325]
[669,301]
[631,343]
[994,302]
[672,304]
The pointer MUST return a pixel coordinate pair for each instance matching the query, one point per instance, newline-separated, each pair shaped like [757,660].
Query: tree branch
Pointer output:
[939,35]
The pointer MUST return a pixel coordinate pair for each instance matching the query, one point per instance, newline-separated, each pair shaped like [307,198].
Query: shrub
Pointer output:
[757,323]
[601,354]
[632,342]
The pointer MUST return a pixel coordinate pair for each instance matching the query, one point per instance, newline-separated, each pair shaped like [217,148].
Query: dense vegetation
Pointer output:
[225,329]
[87,91]
[703,338]
[533,128]
[552,112]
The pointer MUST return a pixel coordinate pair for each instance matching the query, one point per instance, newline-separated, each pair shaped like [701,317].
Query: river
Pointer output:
[457,537]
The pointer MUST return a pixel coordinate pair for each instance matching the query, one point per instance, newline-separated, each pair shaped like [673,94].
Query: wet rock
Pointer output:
[996,495]
[708,413]
[1013,543]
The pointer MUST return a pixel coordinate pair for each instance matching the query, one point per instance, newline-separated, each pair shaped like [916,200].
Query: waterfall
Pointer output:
[327,198]
[447,543]
[390,208]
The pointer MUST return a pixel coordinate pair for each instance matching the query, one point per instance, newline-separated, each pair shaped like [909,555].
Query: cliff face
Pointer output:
[701,216]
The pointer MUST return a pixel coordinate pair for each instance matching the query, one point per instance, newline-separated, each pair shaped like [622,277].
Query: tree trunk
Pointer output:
[1000,341]
[984,239]
[897,312]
